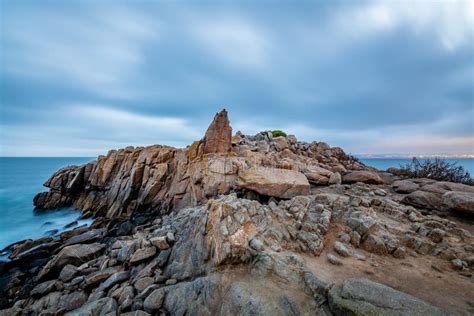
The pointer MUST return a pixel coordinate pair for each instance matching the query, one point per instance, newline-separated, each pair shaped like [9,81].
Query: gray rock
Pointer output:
[333,259]
[364,297]
[142,255]
[154,301]
[74,254]
[459,201]
[44,288]
[100,307]
[114,279]
[94,279]
[256,244]
[135,313]
[68,273]
[72,300]
[143,283]
[423,199]
[341,249]
[86,237]
[404,186]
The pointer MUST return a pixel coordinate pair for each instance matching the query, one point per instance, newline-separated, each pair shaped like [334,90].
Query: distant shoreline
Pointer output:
[409,156]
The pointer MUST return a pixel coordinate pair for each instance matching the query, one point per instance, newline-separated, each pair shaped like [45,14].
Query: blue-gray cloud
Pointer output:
[78,77]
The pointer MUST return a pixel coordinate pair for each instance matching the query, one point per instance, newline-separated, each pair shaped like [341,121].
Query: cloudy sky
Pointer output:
[80,77]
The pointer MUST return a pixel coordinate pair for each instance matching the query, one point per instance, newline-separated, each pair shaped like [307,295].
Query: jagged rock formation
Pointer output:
[266,228]
[161,178]
[219,135]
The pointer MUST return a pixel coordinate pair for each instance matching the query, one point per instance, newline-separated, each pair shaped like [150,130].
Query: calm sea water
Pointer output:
[385,163]
[20,180]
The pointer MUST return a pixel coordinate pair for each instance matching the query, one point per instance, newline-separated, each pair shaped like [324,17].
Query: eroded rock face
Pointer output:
[219,135]
[279,183]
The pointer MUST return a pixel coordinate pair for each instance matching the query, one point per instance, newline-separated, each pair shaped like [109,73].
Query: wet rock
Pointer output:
[365,297]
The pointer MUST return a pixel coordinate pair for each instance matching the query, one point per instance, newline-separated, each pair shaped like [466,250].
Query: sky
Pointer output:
[78,78]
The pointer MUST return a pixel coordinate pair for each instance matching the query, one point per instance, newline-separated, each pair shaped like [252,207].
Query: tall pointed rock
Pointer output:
[218,135]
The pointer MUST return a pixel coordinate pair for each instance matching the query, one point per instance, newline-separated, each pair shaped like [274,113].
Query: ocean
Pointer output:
[22,178]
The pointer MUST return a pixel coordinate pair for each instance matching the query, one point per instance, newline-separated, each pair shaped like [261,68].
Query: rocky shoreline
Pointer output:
[238,225]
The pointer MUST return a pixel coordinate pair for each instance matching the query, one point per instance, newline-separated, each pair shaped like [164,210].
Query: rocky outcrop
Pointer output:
[279,183]
[261,226]
[219,135]
[160,178]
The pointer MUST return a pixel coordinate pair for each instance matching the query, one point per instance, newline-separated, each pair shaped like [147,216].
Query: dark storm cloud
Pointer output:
[78,78]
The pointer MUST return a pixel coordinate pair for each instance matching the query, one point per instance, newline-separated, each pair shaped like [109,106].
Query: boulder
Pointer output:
[279,183]
[423,199]
[154,301]
[335,178]
[459,201]
[360,296]
[317,175]
[404,186]
[218,136]
[362,176]
[142,254]
[74,254]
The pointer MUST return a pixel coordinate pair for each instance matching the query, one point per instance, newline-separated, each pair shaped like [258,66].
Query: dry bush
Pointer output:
[437,169]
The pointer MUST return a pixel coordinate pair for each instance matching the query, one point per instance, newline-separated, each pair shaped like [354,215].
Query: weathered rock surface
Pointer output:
[362,176]
[279,183]
[218,135]
[364,297]
[459,201]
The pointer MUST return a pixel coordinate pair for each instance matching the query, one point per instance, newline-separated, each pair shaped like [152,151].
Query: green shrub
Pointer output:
[277,133]
[437,169]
